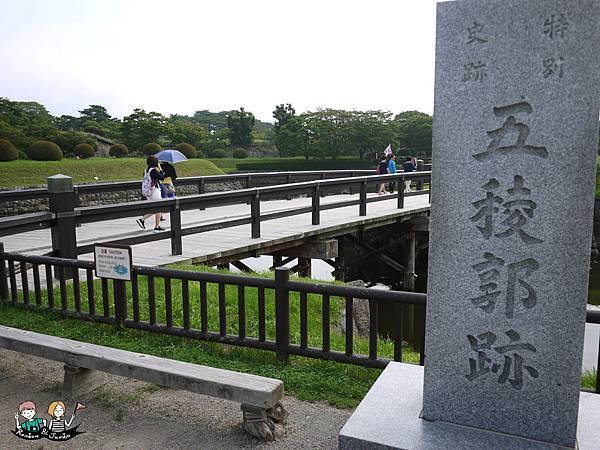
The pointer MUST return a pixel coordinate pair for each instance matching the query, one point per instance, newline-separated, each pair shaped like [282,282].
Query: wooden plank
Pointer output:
[238,387]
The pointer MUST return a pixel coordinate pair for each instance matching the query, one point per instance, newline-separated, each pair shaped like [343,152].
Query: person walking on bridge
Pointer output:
[153,175]
[392,170]
[408,167]
[382,169]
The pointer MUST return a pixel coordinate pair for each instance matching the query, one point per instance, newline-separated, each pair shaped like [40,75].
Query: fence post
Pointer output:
[62,200]
[362,210]
[282,313]
[3,276]
[401,193]
[255,214]
[175,216]
[201,188]
[429,198]
[120,299]
[248,181]
[316,204]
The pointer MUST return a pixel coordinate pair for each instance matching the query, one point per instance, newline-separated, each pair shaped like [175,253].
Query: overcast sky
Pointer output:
[179,56]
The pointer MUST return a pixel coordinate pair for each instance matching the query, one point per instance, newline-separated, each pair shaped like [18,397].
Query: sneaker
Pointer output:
[141,223]
[158,229]
[163,218]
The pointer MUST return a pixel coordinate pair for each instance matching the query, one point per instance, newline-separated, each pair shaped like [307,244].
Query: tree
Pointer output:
[240,124]
[181,129]
[282,114]
[370,132]
[97,113]
[292,138]
[142,127]
[414,132]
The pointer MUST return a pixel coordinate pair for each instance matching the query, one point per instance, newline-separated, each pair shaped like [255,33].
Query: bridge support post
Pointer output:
[316,205]
[401,193]
[255,214]
[304,267]
[62,201]
[3,277]
[362,210]
[282,313]
[176,244]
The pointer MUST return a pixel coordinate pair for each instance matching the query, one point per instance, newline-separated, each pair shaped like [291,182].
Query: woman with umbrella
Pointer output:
[168,158]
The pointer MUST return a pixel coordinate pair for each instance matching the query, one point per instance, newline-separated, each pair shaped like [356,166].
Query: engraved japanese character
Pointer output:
[510,126]
[517,272]
[512,362]
[553,66]
[556,26]
[518,209]
[475,71]
[488,207]
[474,33]
[479,366]
[489,274]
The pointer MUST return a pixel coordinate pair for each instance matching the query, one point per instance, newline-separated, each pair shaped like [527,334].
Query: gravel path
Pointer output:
[128,414]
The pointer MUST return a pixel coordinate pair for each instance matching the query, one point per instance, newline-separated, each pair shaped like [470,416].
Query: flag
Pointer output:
[388,150]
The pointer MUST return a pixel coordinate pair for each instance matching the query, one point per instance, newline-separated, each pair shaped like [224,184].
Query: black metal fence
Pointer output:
[260,318]
[65,216]
[201,310]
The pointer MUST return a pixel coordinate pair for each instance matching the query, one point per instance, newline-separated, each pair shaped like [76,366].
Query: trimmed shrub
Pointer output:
[188,150]
[84,151]
[118,150]
[8,152]
[217,153]
[151,148]
[240,153]
[44,151]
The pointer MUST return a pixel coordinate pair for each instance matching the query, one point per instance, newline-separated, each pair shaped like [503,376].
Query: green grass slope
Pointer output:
[34,173]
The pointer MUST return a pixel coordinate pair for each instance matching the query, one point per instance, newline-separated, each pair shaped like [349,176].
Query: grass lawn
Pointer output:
[342,385]
[34,173]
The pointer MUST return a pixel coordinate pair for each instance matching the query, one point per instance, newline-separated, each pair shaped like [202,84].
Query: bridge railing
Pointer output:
[65,217]
[246,180]
[257,312]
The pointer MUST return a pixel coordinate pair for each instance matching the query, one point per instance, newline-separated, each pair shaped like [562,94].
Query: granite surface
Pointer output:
[388,418]
[514,143]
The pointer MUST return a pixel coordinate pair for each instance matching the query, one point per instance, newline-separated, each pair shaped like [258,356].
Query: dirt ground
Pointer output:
[128,414]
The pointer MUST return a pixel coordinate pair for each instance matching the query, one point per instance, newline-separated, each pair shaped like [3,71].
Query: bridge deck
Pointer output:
[225,242]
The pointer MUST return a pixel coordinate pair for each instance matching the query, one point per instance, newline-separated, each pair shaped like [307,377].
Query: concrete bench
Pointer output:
[87,365]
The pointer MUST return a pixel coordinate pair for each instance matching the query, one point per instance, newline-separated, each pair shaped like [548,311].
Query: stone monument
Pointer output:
[515,141]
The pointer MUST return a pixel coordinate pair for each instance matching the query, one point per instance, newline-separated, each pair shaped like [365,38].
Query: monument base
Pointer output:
[388,418]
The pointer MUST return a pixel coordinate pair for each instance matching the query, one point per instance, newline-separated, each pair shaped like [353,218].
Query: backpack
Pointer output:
[147,183]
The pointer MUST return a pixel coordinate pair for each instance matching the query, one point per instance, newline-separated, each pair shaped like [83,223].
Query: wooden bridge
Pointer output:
[219,227]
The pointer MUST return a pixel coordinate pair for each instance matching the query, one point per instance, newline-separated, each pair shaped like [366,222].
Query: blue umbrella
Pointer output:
[172,156]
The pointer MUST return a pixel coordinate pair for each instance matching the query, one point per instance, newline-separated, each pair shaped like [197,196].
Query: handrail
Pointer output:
[93,188]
